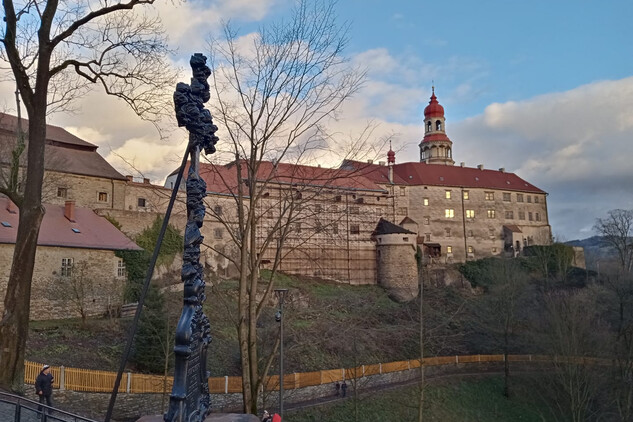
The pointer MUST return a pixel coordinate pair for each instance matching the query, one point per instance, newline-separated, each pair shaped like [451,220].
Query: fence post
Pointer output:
[456,359]
[62,378]
[129,382]
[363,370]
[530,358]
[478,358]
[321,373]
[380,368]
[226,384]
[343,372]
[296,381]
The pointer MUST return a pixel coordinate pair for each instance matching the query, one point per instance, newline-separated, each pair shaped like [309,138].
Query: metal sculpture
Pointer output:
[190,400]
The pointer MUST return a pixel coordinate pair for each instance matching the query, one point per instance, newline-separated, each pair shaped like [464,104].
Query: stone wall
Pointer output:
[51,295]
[397,267]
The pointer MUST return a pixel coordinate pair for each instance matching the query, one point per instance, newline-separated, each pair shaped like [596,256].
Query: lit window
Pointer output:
[491,213]
[449,249]
[506,197]
[489,196]
[354,229]
[62,192]
[120,268]
[509,215]
[470,249]
[218,233]
[466,194]
[102,196]
[494,250]
[449,213]
[448,194]
[521,215]
[425,201]
[67,267]
[470,213]
[141,202]
[519,197]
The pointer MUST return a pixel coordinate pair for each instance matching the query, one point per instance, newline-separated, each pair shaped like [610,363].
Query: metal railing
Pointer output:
[19,409]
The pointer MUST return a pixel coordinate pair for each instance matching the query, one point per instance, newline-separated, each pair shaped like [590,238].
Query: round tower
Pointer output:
[436,147]
[397,270]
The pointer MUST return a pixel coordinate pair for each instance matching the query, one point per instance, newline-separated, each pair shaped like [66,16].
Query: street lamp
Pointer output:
[279,317]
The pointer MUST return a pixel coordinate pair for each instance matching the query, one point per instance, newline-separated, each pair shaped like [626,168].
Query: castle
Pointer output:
[361,223]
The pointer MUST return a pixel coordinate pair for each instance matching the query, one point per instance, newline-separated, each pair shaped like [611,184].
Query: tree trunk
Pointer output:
[17,301]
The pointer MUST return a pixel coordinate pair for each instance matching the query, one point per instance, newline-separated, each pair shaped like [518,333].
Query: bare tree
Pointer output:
[57,50]
[616,231]
[75,287]
[273,99]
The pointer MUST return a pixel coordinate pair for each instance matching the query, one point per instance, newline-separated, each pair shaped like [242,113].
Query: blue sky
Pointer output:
[542,88]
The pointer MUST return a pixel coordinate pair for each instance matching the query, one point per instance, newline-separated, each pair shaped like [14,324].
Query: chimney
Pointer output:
[462,164]
[129,178]
[11,208]
[502,169]
[381,163]
[69,211]
[370,161]
[480,166]
[146,180]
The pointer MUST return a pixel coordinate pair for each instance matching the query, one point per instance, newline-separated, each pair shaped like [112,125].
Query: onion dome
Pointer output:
[434,109]
[391,156]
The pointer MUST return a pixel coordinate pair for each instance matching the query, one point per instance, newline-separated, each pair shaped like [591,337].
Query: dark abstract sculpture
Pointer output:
[190,400]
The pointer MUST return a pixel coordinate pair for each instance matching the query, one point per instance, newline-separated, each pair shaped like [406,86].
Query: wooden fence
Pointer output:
[103,381]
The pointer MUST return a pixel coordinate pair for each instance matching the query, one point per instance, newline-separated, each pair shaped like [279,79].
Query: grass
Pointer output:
[476,400]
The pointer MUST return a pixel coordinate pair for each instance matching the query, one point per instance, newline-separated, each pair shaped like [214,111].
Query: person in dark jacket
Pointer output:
[344,388]
[44,386]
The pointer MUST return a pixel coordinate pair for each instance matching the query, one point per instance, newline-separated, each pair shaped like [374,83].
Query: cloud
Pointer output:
[574,144]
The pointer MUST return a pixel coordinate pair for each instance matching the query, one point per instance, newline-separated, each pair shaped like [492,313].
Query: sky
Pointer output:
[541,88]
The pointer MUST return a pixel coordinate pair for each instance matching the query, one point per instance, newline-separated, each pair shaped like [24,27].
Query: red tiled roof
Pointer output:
[436,137]
[442,175]
[95,232]
[434,109]
[223,178]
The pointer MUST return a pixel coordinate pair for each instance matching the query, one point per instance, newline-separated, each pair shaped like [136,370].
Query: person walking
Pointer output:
[344,388]
[338,388]
[267,417]
[44,387]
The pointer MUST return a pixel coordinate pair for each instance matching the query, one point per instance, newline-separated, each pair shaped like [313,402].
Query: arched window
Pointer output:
[438,125]
[429,126]
[450,154]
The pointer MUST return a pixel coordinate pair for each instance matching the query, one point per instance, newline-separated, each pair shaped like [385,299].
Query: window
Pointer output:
[334,208]
[529,199]
[120,268]
[519,197]
[335,228]
[471,250]
[506,197]
[465,195]
[317,208]
[530,216]
[491,213]
[427,237]
[217,210]
[318,226]
[298,195]
[141,202]
[337,198]
[403,191]
[509,215]
[429,126]
[6,224]
[67,267]
[448,232]
[491,232]
[75,230]
[270,214]
[102,196]
[62,192]
[425,201]
[354,229]
[449,249]
[427,221]
[470,233]
[354,210]
[521,215]
[448,194]
[536,200]
[489,196]
[449,213]
[217,233]
[470,213]
[537,216]
[494,250]
[403,210]
[298,227]
[360,201]
[438,125]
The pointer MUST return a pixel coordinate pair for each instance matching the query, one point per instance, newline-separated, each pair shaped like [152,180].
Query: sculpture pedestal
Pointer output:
[214,417]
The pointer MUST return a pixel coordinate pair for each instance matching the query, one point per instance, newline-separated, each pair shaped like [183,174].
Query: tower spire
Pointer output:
[436,147]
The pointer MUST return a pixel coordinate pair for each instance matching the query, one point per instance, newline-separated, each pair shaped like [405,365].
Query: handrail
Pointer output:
[53,414]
